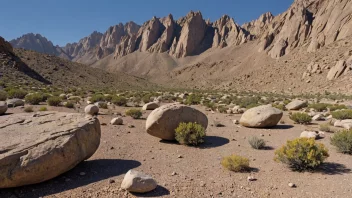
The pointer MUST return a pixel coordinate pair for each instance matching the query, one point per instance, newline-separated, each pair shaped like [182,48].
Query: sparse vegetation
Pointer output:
[337,107]
[134,113]
[28,109]
[17,93]
[343,141]
[193,99]
[279,106]
[326,127]
[190,134]
[97,98]
[236,163]
[256,142]
[302,154]
[43,109]
[54,101]
[342,114]
[119,101]
[3,95]
[320,107]
[301,118]
[34,99]
[69,105]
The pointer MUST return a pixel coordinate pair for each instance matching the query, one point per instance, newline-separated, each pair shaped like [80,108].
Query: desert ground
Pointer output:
[184,171]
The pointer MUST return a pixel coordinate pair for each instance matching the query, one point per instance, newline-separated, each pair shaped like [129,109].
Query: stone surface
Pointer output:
[337,70]
[150,106]
[91,110]
[260,117]
[37,147]
[296,105]
[138,182]
[309,134]
[15,102]
[117,121]
[163,121]
[3,107]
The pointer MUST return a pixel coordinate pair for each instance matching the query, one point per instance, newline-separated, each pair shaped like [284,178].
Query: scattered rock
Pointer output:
[260,117]
[296,105]
[312,134]
[135,181]
[292,185]
[117,121]
[91,110]
[14,102]
[150,106]
[251,178]
[337,70]
[3,107]
[163,121]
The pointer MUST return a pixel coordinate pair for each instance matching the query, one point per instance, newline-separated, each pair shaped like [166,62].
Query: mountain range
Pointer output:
[303,45]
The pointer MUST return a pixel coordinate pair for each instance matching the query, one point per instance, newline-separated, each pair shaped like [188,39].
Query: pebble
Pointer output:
[82,173]
[179,156]
[262,135]
[173,173]
[111,181]
[251,178]
[292,185]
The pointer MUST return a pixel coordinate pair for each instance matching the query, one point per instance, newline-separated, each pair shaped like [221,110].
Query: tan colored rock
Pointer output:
[165,41]
[163,121]
[309,134]
[3,107]
[138,182]
[337,70]
[149,33]
[296,105]
[38,147]
[261,117]
[116,121]
[91,110]
[150,106]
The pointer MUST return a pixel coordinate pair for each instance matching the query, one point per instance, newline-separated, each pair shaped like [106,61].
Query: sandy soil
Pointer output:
[199,172]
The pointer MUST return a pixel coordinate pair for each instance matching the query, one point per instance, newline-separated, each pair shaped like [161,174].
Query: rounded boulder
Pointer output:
[91,110]
[3,107]
[163,121]
[261,117]
[150,106]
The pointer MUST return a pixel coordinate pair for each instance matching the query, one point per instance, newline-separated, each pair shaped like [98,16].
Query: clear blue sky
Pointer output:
[63,21]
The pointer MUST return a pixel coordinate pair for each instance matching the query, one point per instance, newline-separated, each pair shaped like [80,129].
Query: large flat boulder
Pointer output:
[163,121]
[296,105]
[40,146]
[261,117]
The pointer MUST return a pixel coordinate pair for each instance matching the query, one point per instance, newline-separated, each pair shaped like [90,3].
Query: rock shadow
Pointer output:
[282,127]
[330,168]
[158,192]
[213,142]
[95,170]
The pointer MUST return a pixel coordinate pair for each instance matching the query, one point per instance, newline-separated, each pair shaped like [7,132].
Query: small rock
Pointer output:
[82,173]
[173,173]
[179,156]
[130,126]
[292,185]
[138,182]
[111,181]
[251,178]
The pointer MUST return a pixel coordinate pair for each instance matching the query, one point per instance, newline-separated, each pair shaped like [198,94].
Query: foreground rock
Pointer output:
[260,117]
[312,134]
[3,107]
[163,121]
[138,182]
[150,106]
[116,121]
[296,105]
[346,124]
[38,147]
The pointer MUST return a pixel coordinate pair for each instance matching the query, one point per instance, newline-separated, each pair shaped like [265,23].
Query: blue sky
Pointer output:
[63,21]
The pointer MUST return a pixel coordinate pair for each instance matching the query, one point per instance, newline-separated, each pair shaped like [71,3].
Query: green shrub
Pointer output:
[326,128]
[69,105]
[320,107]
[43,109]
[236,163]
[28,109]
[17,93]
[301,118]
[146,98]
[302,154]
[210,105]
[343,141]
[193,99]
[342,114]
[119,101]
[256,142]
[190,133]
[108,98]
[3,95]
[279,106]
[337,107]
[54,101]
[134,113]
[97,98]
[222,109]
[103,105]
[34,99]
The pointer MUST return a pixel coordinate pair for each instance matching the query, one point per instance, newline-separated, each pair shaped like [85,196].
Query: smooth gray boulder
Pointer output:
[261,117]
[150,106]
[15,102]
[296,105]
[3,107]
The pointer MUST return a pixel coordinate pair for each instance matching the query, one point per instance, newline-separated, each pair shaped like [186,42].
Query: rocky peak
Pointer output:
[5,46]
[149,33]
[256,27]
[34,42]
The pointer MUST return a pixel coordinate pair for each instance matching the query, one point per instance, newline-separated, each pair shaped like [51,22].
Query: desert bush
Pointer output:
[119,101]
[54,101]
[69,105]
[326,127]
[193,99]
[134,113]
[108,98]
[103,105]
[190,133]
[301,118]
[222,109]
[342,114]
[17,93]
[210,105]
[3,95]
[320,107]
[279,106]
[343,141]
[97,98]
[43,109]
[256,142]
[236,163]
[337,107]
[302,154]
[34,99]
[28,109]
[146,98]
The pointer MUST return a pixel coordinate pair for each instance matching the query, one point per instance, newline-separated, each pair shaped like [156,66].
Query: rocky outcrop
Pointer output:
[337,70]
[38,147]
[256,27]
[164,43]
[5,46]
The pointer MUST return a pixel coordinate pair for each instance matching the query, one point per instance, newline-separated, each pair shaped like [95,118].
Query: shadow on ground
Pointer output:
[330,168]
[213,142]
[282,127]
[158,192]
[95,170]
